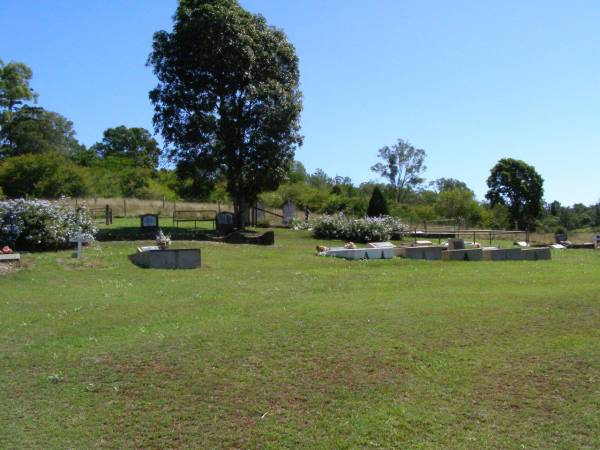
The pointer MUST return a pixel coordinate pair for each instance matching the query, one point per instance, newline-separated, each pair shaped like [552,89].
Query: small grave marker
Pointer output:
[81,239]
[149,221]
[289,211]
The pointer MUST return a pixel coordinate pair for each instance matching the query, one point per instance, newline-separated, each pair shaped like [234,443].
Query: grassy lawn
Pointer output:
[272,347]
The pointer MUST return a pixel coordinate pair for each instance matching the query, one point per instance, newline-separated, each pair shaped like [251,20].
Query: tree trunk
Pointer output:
[240,209]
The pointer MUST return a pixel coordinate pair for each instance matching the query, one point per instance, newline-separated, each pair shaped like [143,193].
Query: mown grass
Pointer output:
[271,347]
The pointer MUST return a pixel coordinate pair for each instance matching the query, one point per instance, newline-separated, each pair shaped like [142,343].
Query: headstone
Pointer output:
[225,222]
[597,241]
[149,221]
[559,238]
[260,213]
[80,241]
[456,244]
[289,211]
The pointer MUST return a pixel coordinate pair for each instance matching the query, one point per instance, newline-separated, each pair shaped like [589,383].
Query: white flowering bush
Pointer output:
[297,224]
[367,229]
[40,224]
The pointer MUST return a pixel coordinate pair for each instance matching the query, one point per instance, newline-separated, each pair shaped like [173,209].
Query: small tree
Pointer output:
[517,185]
[402,166]
[377,205]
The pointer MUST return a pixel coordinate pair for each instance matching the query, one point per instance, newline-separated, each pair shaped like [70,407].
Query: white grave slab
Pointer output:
[381,245]
[362,253]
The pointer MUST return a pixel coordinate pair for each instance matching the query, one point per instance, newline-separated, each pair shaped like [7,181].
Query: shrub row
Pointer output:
[367,229]
[40,224]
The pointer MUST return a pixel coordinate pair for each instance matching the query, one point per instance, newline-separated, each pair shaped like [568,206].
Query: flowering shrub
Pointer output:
[297,224]
[367,229]
[40,224]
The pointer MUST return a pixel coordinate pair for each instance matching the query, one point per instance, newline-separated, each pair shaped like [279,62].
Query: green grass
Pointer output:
[272,347]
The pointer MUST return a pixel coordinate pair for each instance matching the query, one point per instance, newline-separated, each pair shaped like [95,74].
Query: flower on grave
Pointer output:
[163,241]
[6,250]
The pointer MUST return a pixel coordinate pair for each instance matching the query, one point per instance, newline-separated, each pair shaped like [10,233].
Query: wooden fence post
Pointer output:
[124,207]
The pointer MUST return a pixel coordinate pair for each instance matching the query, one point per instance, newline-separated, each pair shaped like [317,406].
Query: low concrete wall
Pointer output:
[168,259]
[472,254]
[429,252]
[536,254]
[361,253]
[502,254]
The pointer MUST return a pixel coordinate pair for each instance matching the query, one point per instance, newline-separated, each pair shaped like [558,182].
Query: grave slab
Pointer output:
[10,258]
[502,254]
[361,253]
[381,245]
[188,258]
[430,252]
[536,254]
[471,254]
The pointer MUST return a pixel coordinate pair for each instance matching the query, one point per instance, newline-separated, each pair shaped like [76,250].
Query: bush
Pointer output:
[377,205]
[46,175]
[40,224]
[368,229]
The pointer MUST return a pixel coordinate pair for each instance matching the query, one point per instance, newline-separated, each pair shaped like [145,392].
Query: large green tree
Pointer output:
[36,130]
[517,185]
[228,98]
[14,85]
[136,144]
[402,166]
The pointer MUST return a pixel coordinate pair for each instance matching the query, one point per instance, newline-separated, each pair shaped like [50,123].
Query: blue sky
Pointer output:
[468,81]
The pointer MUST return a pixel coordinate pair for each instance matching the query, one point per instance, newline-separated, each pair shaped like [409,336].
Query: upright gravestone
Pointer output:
[560,238]
[225,222]
[149,221]
[456,244]
[260,212]
[289,211]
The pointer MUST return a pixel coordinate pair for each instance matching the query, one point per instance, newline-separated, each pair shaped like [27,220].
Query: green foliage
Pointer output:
[136,144]
[14,85]
[377,204]
[228,98]
[458,203]
[46,175]
[36,130]
[402,166]
[517,185]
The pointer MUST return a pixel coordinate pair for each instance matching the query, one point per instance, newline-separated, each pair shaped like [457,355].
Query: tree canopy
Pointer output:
[36,130]
[517,185]
[228,99]
[136,144]
[402,166]
[14,85]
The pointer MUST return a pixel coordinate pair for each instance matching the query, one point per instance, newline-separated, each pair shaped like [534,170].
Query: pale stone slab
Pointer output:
[423,243]
[11,257]
[471,254]
[381,245]
[362,253]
